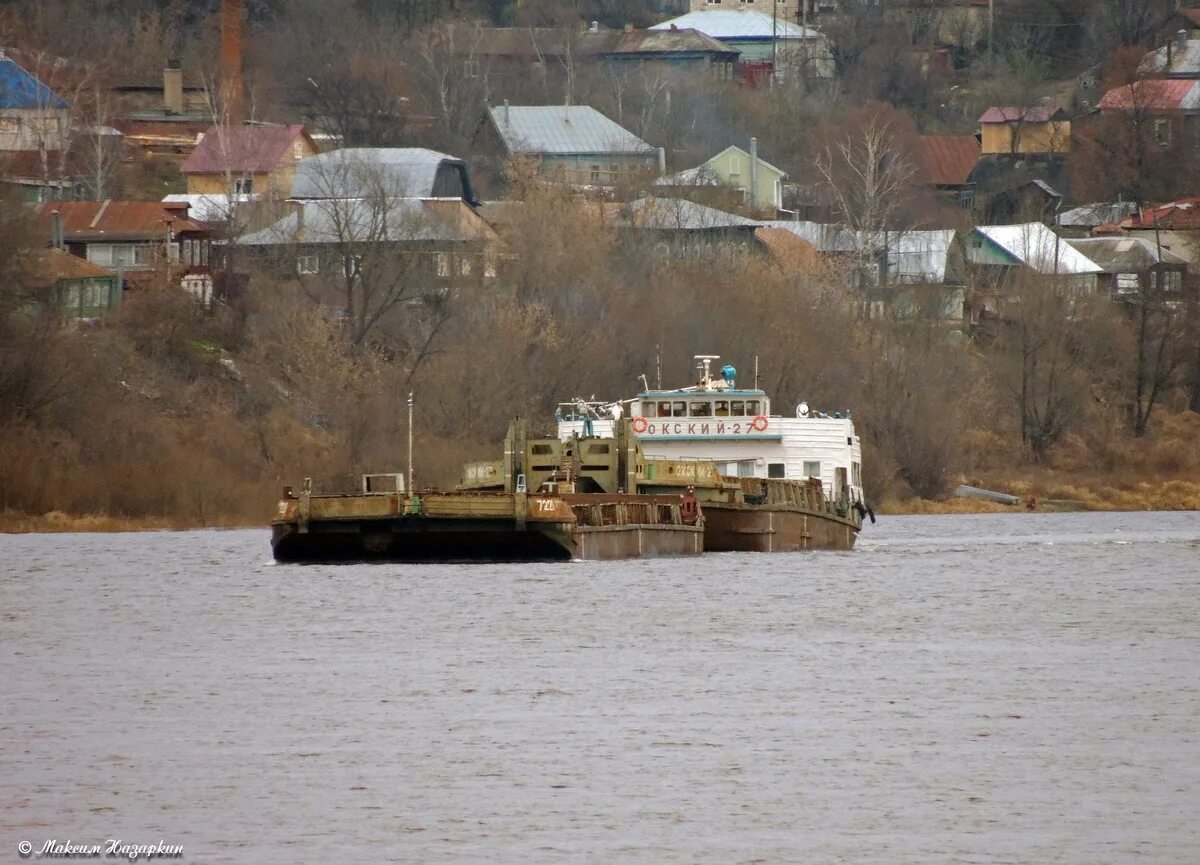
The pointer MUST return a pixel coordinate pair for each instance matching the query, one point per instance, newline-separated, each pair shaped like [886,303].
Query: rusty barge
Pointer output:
[530,506]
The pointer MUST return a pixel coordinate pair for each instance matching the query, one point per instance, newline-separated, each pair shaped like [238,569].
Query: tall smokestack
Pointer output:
[233,84]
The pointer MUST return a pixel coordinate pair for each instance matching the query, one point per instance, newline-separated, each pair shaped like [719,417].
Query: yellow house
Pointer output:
[257,160]
[1037,129]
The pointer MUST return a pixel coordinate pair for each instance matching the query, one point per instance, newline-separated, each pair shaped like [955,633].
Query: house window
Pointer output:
[489,267]
[351,264]
[471,68]
[298,149]
[306,264]
[464,265]
[595,174]
[776,470]
[812,469]
[1162,132]
[443,263]
[243,185]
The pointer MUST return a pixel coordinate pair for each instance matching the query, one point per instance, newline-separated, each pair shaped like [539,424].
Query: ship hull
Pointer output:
[767,529]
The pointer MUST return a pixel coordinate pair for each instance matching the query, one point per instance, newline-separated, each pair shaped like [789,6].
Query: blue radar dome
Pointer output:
[728,373]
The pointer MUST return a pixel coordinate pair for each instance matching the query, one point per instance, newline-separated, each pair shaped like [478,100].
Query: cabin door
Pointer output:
[839,483]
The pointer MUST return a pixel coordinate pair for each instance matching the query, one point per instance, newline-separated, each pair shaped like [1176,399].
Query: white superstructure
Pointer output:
[734,428]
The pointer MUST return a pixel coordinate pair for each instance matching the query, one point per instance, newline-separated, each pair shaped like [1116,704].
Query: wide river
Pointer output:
[960,689]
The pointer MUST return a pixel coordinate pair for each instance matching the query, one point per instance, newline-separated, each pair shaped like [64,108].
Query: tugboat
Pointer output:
[784,483]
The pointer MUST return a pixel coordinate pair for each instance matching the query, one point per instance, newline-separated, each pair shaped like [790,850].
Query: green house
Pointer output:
[84,290]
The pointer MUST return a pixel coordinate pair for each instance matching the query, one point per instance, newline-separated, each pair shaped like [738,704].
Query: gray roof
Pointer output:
[562,130]
[1124,254]
[362,172]
[678,213]
[1182,61]
[355,220]
[915,256]
[1091,215]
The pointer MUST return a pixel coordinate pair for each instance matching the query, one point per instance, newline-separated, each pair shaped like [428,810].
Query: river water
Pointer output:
[960,689]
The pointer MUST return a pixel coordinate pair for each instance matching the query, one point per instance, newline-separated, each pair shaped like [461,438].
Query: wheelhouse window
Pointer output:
[663,409]
[679,409]
[721,408]
[737,408]
[752,407]
[701,409]
[812,469]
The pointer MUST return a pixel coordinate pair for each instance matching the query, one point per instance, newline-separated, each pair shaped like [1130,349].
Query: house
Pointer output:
[686,50]
[1131,267]
[43,175]
[770,46]
[397,172]
[676,227]
[1173,226]
[758,183]
[1015,189]
[574,144]
[786,10]
[143,241]
[32,116]
[1178,58]
[1166,110]
[244,160]
[1187,20]
[998,255]
[948,161]
[1081,221]
[82,290]
[1037,129]
[434,244]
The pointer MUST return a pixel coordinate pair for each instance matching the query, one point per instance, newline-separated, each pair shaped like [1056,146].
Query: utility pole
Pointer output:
[410,443]
[991,28]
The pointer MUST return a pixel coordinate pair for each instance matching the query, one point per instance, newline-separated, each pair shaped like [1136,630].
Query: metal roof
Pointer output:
[112,220]
[738,24]
[1030,114]
[1101,213]
[1180,60]
[209,206]
[678,213]
[562,130]
[20,88]
[949,158]
[1039,248]
[358,221]
[1153,94]
[1125,254]
[360,172]
[241,149]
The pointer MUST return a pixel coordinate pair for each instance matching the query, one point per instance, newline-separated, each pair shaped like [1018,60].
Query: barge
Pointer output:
[521,508]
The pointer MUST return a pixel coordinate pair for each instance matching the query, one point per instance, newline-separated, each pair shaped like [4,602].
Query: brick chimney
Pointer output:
[173,90]
[233,84]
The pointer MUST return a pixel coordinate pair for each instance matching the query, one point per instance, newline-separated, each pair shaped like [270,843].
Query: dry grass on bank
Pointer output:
[57,521]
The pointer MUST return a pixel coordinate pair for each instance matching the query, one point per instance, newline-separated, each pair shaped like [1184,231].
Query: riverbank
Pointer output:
[13,523]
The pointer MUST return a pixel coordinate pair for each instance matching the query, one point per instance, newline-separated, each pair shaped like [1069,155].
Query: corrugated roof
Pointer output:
[403,220]
[914,257]
[1124,254]
[738,24]
[677,214]
[562,130]
[241,149]
[1153,94]
[1091,215]
[1036,246]
[127,220]
[1032,114]
[209,207]
[1182,213]
[20,88]
[669,41]
[55,264]
[1176,61]
[949,158]
[361,172]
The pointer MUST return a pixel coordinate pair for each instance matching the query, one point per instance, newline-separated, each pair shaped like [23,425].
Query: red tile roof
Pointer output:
[949,158]
[1032,114]
[1180,214]
[1153,94]
[124,220]
[241,149]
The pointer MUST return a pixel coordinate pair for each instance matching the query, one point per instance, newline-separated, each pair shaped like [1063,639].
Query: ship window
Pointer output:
[776,470]
[812,469]
[664,409]
[721,408]
[737,408]
[679,409]
[745,468]
[751,407]
[702,409]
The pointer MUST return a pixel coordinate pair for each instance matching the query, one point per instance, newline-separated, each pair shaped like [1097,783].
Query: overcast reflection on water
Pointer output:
[960,689]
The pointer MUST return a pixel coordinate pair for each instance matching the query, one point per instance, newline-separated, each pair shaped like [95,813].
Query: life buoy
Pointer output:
[640,424]
[759,423]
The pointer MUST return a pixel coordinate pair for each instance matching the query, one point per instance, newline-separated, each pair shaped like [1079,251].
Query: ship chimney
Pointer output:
[173,89]
[233,84]
[752,197]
